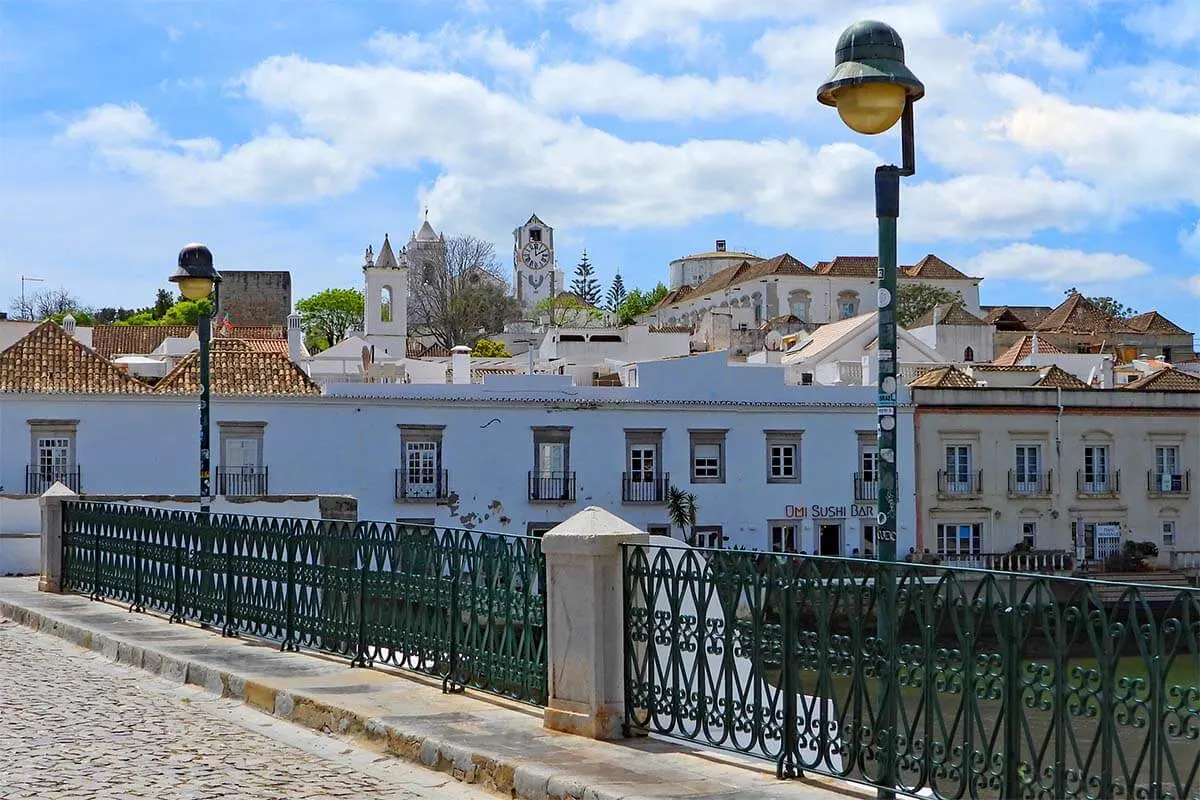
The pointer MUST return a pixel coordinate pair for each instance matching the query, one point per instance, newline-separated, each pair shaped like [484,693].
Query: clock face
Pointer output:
[535,255]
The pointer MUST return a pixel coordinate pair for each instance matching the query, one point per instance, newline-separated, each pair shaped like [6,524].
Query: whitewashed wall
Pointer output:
[350,444]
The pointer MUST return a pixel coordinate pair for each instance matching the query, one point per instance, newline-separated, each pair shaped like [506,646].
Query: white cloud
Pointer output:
[1051,266]
[112,124]
[622,90]
[1175,23]
[1040,46]
[623,22]
[449,46]
[1193,284]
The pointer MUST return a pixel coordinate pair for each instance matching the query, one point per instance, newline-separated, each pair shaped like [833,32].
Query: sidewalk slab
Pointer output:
[477,739]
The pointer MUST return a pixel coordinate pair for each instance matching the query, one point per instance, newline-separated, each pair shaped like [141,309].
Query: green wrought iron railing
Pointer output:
[465,606]
[996,685]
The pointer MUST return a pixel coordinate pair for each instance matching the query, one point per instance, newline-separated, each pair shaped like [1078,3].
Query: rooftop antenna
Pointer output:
[26,279]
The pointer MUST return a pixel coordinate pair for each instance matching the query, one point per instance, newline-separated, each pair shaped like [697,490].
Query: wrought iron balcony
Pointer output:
[1097,484]
[38,479]
[642,487]
[960,484]
[422,485]
[242,481]
[552,487]
[1169,482]
[1029,484]
[866,489]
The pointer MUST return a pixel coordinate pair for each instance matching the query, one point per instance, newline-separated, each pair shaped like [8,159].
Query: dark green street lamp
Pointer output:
[197,279]
[872,89]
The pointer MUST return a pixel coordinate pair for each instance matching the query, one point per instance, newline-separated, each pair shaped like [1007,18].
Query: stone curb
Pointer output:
[489,771]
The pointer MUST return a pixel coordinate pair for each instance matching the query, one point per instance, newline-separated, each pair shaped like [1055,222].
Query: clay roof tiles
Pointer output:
[743,272]
[955,314]
[1165,380]
[119,340]
[1023,348]
[1154,322]
[237,370]
[944,378]
[851,266]
[1055,377]
[933,268]
[48,361]
[1077,314]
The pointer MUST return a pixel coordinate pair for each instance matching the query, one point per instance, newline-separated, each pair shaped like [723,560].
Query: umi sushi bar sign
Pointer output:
[827,512]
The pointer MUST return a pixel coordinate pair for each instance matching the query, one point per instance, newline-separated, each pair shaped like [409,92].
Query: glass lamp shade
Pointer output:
[195,288]
[871,107]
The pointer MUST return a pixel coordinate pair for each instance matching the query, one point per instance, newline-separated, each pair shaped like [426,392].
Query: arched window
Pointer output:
[968,354]
[385,304]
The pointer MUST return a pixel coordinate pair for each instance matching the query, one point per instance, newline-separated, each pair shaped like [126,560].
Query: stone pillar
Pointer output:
[584,617]
[52,531]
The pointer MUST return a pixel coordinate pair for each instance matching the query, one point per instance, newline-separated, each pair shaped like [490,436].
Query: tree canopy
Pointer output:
[490,348]
[462,297]
[329,314]
[585,286]
[567,310]
[916,299]
[616,293]
[637,302]
[1109,305]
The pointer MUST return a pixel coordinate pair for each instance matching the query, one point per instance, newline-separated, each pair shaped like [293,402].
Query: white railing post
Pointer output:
[52,536]
[585,648]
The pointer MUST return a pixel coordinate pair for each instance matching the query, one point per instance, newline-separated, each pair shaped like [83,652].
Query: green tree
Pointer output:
[585,285]
[616,293]
[637,303]
[109,315]
[1109,305]
[490,348]
[681,509]
[82,317]
[915,299]
[566,310]
[459,296]
[162,303]
[330,314]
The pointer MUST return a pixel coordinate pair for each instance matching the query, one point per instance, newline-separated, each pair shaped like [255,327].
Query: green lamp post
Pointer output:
[197,279]
[872,90]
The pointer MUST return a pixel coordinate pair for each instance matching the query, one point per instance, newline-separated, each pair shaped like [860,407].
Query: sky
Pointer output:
[1057,144]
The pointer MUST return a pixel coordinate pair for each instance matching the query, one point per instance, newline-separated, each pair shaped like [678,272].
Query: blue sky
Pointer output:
[1057,142]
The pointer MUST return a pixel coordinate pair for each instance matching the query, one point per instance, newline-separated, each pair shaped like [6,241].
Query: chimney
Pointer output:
[295,338]
[1036,348]
[460,364]
[69,325]
[720,245]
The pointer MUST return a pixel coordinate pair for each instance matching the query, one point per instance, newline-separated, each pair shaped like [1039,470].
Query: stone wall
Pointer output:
[256,297]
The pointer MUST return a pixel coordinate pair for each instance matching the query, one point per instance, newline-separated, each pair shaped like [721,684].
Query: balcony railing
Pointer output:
[1185,560]
[1169,482]
[425,484]
[1098,484]
[640,487]
[241,481]
[1025,484]
[552,487]
[960,484]
[865,489]
[39,479]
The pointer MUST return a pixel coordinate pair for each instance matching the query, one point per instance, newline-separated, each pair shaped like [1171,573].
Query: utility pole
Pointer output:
[26,279]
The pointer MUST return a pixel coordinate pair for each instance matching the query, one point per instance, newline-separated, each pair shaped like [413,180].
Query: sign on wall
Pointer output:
[816,511]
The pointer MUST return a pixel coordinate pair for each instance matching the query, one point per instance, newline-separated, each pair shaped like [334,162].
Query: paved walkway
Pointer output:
[497,746]
[79,727]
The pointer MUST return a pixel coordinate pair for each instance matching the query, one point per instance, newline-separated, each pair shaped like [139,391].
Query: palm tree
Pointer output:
[681,508]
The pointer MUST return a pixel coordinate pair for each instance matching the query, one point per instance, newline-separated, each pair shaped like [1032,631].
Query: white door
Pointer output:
[241,455]
[420,469]
[958,469]
[1028,480]
[54,457]
[643,462]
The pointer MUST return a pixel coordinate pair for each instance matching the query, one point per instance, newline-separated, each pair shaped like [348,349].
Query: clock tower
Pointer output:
[533,261]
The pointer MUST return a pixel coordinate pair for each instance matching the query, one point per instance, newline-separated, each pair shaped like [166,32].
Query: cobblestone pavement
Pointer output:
[74,726]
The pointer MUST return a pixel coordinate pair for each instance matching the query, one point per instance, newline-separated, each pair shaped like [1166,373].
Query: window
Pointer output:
[1168,532]
[535,234]
[798,304]
[539,528]
[1027,474]
[959,539]
[643,480]
[658,530]
[868,540]
[969,354]
[643,463]
[785,537]
[708,536]
[847,305]
[420,474]
[241,471]
[385,304]
[958,469]
[1095,468]
[52,455]
[708,456]
[1167,474]
[551,479]
[783,456]
[1101,540]
[1029,534]
[806,379]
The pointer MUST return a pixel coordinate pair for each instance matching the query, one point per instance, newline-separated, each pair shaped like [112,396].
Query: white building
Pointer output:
[771,465]
[695,269]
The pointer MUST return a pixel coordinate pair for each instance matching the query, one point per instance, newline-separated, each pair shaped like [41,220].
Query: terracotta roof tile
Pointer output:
[266,345]
[1165,380]
[1055,377]
[239,371]
[933,268]
[1005,319]
[1077,314]
[48,361]
[851,266]
[1021,349]
[1029,315]
[1154,322]
[414,349]
[119,340]
[955,314]
[944,378]
[744,272]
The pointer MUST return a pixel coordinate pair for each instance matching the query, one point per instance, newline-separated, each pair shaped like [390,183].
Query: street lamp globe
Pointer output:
[870,85]
[195,274]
